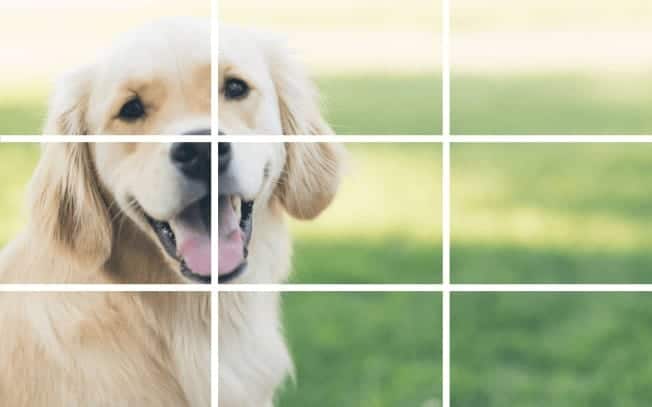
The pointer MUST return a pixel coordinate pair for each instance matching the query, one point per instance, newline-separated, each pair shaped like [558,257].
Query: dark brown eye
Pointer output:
[235,89]
[132,110]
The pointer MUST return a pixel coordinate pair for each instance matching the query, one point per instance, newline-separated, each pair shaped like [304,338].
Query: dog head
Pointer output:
[83,193]
[263,90]
[258,180]
[155,80]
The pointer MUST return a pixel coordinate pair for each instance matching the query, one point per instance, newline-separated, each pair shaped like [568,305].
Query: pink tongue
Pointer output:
[231,240]
[195,248]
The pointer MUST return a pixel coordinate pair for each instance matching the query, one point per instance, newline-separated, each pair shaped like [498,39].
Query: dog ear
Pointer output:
[67,207]
[310,178]
[69,103]
[298,98]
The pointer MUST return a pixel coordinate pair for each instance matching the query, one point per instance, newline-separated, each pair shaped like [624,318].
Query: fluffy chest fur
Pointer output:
[105,349]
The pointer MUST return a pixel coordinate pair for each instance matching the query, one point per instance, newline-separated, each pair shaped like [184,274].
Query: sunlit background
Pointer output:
[377,62]
[551,213]
[551,67]
[384,225]
[42,39]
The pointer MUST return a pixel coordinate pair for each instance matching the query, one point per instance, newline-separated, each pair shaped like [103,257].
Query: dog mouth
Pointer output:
[235,227]
[186,238]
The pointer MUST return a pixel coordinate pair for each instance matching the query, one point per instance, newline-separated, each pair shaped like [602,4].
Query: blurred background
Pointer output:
[42,39]
[384,225]
[551,349]
[364,349]
[551,67]
[17,162]
[377,62]
[551,213]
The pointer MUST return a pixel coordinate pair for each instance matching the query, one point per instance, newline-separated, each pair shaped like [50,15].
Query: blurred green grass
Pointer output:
[364,349]
[385,223]
[383,103]
[23,109]
[551,349]
[546,213]
[17,161]
[551,103]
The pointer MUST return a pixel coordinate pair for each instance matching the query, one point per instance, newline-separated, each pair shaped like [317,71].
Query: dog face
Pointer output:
[155,80]
[262,89]
[82,193]
[258,181]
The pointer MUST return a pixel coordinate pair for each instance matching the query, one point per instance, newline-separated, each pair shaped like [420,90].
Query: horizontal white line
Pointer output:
[326,287]
[551,288]
[435,288]
[104,139]
[331,139]
[553,139]
[335,139]
[330,287]
[104,287]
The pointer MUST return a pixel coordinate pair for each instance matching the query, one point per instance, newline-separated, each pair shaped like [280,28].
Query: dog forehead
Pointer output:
[242,51]
[166,46]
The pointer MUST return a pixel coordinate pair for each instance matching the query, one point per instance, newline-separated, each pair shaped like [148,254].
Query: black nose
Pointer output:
[224,150]
[197,132]
[193,159]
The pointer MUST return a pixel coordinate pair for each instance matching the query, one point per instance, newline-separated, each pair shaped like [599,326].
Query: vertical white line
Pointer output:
[214,348]
[215,329]
[446,201]
[214,67]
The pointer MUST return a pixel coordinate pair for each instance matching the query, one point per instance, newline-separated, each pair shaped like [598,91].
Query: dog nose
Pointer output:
[224,151]
[193,159]
[197,132]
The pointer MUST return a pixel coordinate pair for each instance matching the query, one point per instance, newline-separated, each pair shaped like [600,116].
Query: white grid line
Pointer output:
[446,208]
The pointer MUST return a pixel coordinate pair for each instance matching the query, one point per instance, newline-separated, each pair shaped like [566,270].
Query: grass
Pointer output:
[383,104]
[551,103]
[23,112]
[385,223]
[550,349]
[364,349]
[17,162]
[535,213]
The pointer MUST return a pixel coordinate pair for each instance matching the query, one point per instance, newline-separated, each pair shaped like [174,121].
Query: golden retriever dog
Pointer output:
[110,213]
[154,80]
[263,89]
[259,183]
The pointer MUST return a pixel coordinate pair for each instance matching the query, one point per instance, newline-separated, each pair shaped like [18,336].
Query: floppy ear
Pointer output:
[298,98]
[69,103]
[310,178]
[67,207]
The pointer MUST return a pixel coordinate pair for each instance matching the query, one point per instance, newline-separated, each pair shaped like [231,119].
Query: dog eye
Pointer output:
[235,89]
[132,110]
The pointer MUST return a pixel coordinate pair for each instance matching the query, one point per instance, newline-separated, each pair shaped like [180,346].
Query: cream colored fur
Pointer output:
[166,64]
[283,99]
[101,349]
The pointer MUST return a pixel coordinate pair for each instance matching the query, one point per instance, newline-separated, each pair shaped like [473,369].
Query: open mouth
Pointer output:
[235,226]
[186,238]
